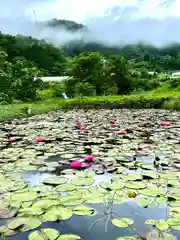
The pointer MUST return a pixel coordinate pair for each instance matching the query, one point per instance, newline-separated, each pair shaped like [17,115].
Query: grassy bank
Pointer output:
[155,99]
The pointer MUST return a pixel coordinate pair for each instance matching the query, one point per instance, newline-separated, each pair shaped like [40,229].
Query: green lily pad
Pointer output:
[111,186]
[31,211]
[129,238]
[85,174]
[36,235]
[57,213]
[157,234]
[131,177]
[144,202]
[69,237]
[45,203]
[6,232]
[24,224]
[162,225]
[84,210]
[42,188]
[135,185]
[24,196]
[82,181]
[55,180]
[65,188]
[174,221]
[71,200]
[122,222]
[152,191]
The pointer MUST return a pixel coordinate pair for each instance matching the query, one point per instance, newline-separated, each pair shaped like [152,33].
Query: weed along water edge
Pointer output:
[94,174]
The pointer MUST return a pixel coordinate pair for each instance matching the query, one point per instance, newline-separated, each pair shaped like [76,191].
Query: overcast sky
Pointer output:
[81,10]
[109,21]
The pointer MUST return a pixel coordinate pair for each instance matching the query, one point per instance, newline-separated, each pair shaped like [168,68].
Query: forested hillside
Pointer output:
[95,68]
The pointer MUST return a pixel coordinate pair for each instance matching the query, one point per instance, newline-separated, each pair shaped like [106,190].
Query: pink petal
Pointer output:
[78,123]
[12,139]
[89,158]
[40,139]
[122,132]
[75,165]
[114,125]
[165,123]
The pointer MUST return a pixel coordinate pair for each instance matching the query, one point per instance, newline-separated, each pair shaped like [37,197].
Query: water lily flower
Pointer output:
[12,139]
[40,139]
[77,123]
[78,165]
[113,125]
[122,132]
[84,128]
[89,158]
[165,123]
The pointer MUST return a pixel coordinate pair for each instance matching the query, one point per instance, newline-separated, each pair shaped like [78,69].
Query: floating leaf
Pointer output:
[135,185]
[24,196]
[6,232]
[36,235]
[162,225]
[111,186]
[25,224]
[82,181]
[65,188]
[50,233]
[84,210]
[157,234]
[152,191]
[57,213]
[122,222]
[69,237]
[55,180]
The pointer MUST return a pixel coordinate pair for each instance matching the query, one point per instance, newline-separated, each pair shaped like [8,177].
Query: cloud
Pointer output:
[112,22]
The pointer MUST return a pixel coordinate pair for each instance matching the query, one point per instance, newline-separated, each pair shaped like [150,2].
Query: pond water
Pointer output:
[136,171]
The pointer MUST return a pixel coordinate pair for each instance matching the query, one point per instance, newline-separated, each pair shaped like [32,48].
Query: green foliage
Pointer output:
[84,89]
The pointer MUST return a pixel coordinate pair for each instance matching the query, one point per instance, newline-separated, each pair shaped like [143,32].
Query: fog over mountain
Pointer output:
[112,22]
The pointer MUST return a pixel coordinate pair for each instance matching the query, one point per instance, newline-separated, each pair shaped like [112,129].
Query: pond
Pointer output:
[126,186]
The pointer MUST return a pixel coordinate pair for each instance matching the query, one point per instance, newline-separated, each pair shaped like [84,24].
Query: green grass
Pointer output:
[159,98]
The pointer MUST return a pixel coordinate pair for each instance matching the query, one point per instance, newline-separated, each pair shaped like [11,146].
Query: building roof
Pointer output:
[55,79]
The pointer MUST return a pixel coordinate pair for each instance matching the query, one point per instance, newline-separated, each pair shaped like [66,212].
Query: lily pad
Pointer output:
[55,180]
[24,224]
[24,196]
[111,186]
[122,222]
[157,234]
[57,213]
[65,188]
[69,237]
[135,185]
[82,181]
[83,210]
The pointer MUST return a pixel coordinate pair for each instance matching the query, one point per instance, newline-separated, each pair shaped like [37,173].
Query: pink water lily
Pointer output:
[12,139]
[113,125]
[76,165]
[89,158]
[122,132]
[84,128]
[40,139]
[165,123]
[77,123]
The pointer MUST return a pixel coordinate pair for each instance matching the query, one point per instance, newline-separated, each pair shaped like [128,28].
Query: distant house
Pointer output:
[55,79]
[175,75]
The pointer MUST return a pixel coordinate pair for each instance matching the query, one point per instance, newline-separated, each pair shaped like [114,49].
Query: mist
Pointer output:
[119,26]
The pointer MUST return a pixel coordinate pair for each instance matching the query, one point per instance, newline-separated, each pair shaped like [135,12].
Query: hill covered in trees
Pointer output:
[95,68]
